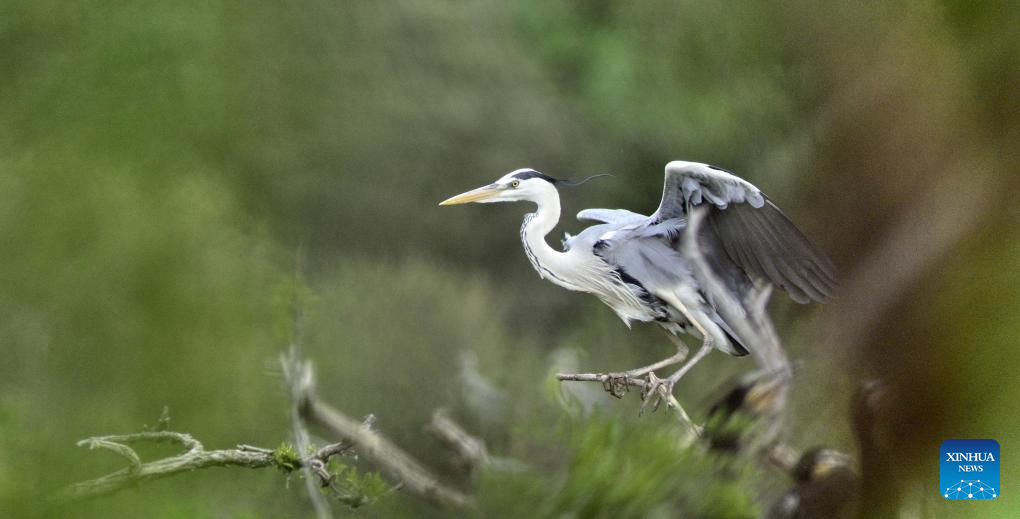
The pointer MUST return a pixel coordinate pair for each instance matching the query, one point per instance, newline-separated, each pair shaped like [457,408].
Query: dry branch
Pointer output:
[376,448]
[196,457]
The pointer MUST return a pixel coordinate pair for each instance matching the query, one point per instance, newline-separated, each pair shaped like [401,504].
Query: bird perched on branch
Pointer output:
[634,264]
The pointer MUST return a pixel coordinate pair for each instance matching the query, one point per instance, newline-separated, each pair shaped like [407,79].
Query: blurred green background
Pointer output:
[163,165]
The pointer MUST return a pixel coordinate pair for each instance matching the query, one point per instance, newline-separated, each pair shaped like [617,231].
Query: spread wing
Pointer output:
[754,233]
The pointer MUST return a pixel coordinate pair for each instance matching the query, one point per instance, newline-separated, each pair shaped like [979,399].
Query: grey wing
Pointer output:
[610,216]
[693,183]
[754,233]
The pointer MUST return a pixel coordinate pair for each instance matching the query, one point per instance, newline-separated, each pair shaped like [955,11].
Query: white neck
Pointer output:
[550,263]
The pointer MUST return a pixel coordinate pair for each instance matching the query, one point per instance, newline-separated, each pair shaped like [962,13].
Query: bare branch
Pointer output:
[122,450]
[185,440]
[334,449]
[469,452]
[409,472]
[196,457]
[252,448]
[137,474]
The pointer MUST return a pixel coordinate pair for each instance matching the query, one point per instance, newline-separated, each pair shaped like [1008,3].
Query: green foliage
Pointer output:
[287,458]
[659,75]
[369,485]
[628,469]
[358,489]
[622,472]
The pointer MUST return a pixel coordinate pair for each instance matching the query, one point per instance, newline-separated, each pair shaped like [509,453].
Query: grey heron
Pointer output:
[633,262]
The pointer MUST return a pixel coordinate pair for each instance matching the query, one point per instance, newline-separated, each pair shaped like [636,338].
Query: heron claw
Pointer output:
[616,384]
[653,388]
[658,388]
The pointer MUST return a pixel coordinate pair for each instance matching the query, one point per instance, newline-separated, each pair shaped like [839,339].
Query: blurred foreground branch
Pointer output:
[302,440]
[469,452]
[378,449]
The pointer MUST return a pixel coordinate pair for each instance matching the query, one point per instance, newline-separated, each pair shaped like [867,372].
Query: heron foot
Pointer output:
[653,388]
[617,384]
[656,390]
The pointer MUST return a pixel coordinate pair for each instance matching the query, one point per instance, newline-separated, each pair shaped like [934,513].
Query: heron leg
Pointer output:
[660,387]
[706,348]
[668,383]
[669,361]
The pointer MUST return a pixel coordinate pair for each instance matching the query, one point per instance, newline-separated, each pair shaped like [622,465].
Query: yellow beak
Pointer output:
[475,195]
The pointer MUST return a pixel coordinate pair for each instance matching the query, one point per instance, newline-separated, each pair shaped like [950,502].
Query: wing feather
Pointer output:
[755,234]
[610,216]
[764,242]
[692,183]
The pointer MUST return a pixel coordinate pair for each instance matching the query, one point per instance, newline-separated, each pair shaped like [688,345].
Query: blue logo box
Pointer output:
[969,469]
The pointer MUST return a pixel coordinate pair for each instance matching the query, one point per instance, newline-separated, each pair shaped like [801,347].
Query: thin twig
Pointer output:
[334,449]
[185,440]
[122,450]
[252,448]
[196,457]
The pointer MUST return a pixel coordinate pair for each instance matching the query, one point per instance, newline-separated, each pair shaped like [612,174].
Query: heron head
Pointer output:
[520,185]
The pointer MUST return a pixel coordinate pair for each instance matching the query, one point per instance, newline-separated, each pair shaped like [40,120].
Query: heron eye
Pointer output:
[515,184]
